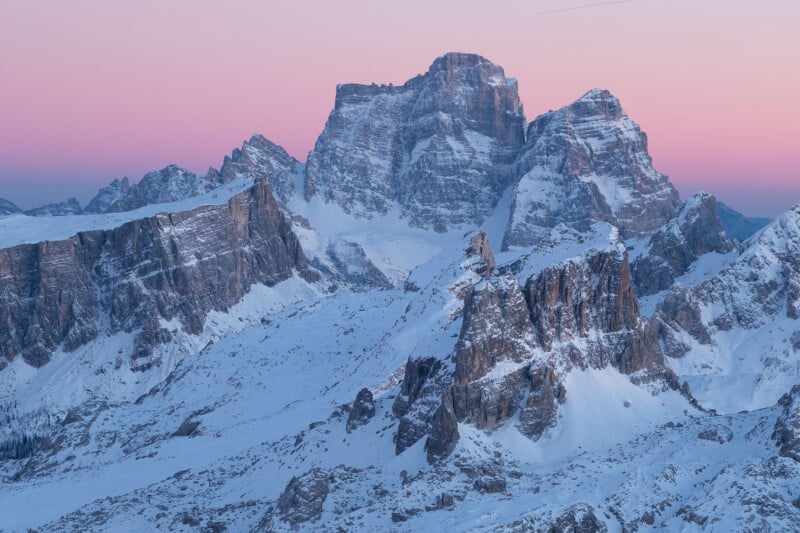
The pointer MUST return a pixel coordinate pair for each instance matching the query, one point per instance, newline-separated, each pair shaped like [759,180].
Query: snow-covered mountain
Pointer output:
[260,158]
[8,208]
[737,334]
[108,196]
[693,239]
[169,184]
[439,148]
[348,346]
[70,207]
[583,163]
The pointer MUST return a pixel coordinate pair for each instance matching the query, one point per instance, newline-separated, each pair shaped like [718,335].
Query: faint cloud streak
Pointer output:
[584,6]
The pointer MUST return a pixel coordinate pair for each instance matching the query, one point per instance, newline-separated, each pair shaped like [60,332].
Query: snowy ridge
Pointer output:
[21,229]
[738,346]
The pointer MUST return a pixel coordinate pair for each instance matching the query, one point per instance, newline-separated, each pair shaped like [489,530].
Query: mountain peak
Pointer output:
[458,68]
[260,158]
[8,208]
[598,102]
[440,147]
[585,162]
[458,60]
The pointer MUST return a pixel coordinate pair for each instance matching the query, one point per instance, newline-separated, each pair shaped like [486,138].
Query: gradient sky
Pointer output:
[91,90]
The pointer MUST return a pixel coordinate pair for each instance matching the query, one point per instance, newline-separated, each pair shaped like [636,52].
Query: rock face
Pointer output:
[169,184]
[421,391]
[595,294]
[787,427]
[362,410]
[304,496]
[737,225]
[516,342]
[351,264]
[260,158]
[8,208]
[444,432]
[579,518]
[587,162]
[480,252]
[444,139]
[108,196]
[70,207]
[541,408]
[695,231]
[496,330]
[131,278]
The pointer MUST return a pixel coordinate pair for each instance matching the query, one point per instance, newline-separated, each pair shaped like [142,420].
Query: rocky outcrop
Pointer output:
[587,162]
[480,256]
[440,146]
[304,496]
[579,518]
[787,428]
[259,158]
[679,311]
[496,330]
[107,196]
[362,410]
[351,264]
[444,432]
[515,344]
[424,382]
[137,276]
[539,413]
[695,230]
[594,294]
[481,344]
[8,208]
[70,207]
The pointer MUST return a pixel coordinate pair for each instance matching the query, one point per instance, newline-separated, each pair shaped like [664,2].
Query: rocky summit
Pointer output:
[446,319]
[584,163]
[444,138]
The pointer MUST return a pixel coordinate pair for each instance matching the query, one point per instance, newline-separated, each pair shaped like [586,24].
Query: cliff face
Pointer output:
[170,266]
[440,146]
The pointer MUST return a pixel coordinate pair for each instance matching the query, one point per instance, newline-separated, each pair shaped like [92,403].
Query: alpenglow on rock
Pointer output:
[440,147]
[584,163]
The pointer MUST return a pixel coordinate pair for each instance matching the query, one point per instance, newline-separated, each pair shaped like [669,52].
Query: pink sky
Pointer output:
[93,90]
